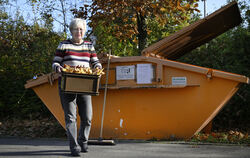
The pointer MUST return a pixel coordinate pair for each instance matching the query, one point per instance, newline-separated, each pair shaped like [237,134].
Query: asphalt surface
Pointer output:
[58,148]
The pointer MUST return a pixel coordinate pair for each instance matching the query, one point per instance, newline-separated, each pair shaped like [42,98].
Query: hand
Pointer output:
[98,67]
[59,69]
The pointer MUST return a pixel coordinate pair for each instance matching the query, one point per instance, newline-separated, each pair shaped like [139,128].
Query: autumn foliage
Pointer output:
[127,19]
[222,137]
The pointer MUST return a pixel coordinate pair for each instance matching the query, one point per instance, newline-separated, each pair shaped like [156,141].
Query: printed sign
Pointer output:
[179,80]
[125,72]
[144,73]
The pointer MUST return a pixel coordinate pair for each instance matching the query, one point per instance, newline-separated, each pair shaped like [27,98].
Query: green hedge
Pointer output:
[25,51]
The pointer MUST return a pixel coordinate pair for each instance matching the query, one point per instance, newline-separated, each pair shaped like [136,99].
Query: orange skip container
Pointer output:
[179,100]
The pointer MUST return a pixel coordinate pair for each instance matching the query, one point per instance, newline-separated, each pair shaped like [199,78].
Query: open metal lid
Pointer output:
[196,34]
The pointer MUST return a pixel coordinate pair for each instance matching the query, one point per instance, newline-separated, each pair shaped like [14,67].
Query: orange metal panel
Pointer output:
[50,97]
[159,113]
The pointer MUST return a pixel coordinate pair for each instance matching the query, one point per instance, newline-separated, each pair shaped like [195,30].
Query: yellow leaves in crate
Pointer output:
[83,70]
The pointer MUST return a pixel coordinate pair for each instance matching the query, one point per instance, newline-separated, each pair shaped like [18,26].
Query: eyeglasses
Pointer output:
[77,30]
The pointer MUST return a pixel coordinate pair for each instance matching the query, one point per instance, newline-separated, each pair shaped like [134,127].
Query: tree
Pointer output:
[25,51]
[128,19]
[55,11]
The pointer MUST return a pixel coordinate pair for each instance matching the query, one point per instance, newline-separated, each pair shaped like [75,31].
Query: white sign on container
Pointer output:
[144,73]
[179,80]
[125,72]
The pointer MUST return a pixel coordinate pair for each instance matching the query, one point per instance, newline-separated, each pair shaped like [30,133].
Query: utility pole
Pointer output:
[204,8]
[205,14]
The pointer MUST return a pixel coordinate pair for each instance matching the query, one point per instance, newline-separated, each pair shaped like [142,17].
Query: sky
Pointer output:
[26,10]
[211,6]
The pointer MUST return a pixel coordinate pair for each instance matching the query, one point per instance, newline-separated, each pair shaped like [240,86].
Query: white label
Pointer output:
[179,80]
[144,73]
[125,72]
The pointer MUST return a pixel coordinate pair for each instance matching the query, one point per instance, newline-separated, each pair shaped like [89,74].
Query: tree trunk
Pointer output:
[64,16]
[142,29]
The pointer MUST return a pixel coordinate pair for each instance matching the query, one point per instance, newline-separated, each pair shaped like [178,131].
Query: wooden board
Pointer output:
[196,34]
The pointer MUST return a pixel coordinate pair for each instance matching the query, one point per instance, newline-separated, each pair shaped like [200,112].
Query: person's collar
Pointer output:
[76,43]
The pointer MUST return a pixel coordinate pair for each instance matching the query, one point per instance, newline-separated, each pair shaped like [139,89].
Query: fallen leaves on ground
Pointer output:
[41,128]
[49,127]
[222,137]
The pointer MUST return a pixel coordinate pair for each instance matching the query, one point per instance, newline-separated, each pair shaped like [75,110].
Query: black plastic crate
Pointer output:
[80,83]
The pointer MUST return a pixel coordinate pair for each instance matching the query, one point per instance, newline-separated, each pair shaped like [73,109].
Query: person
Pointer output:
[76,52]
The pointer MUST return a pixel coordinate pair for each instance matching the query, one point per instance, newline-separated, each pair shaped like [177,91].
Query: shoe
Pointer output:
[84,147]
[75,152]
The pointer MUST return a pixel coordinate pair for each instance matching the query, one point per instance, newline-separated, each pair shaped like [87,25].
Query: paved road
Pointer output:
[56,148]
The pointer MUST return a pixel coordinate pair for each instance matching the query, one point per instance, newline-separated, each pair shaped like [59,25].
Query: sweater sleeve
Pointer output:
[94,61]
[58,57]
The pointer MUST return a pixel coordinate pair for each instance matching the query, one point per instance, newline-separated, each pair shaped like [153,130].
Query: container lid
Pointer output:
[47,78]
[196,34]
